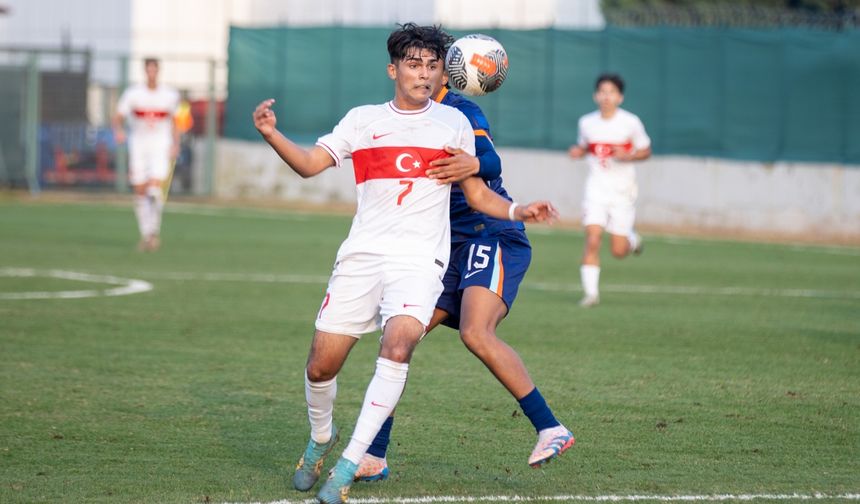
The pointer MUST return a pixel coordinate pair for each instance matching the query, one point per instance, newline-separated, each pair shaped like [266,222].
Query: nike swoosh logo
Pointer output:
[407,305]
[374,403]
[377,137]
[467,275]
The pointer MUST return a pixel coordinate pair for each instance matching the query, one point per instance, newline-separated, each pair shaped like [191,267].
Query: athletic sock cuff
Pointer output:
[390,370]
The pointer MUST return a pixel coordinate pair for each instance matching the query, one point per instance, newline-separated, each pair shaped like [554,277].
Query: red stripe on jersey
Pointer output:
[603,150]
[150,113]
[393,162]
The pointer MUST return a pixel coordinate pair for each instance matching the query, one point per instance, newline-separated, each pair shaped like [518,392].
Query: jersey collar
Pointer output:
[409,112]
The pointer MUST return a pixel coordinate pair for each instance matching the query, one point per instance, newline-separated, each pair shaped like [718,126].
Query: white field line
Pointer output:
[125,287]
[589,498]
[542,286]
[134,286]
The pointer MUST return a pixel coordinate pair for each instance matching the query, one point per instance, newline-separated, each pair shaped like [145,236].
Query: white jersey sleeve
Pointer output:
[342,141]
[638,136]
[581,140]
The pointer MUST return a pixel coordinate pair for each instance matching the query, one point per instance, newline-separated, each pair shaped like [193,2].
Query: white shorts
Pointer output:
[148,161]
[366,290]
[616,218]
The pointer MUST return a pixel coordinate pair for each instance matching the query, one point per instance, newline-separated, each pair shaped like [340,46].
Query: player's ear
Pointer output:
[392,71]
[444,78]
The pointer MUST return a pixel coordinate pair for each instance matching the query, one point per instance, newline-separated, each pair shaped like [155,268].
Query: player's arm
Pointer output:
[641,142]
[462,165]
[118,124]
[482,199]
[632,154]
[485,163]
[306,163]
[578,150]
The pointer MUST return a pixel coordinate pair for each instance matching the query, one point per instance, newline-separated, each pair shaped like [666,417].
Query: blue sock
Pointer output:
[535,408]
[380,442]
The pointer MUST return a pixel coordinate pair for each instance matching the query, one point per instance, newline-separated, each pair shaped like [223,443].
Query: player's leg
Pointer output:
[406,308]
[402,333]
[156,206]
[486,299]
[623,239]
[325,359]
[374,464]
[143,215]
[137,177]
[159,170]
[350,307]
[595,216]
[589,271]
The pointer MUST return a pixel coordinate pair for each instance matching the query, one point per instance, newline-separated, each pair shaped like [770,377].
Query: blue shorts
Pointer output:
[497,263]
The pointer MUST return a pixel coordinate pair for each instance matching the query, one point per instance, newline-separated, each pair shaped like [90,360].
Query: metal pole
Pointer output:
[211,133]
[121,166]
[31,124]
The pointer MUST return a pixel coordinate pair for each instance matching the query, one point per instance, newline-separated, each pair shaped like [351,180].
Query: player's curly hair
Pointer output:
[411,36]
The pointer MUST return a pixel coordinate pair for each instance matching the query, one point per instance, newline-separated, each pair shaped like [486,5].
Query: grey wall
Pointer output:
[783,200]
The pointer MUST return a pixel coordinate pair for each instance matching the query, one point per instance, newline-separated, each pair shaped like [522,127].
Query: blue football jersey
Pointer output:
[465,222]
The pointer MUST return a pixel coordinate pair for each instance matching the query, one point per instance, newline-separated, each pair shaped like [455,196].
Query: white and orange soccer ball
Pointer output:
[476,64]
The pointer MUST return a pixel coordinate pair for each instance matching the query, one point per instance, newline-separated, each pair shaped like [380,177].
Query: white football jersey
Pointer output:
[400,211]
[149,112]
[608,178]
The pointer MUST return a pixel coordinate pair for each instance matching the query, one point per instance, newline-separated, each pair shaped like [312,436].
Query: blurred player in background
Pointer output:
[388,272]
[612,139]
[489,259]
[184,123]
[153,145]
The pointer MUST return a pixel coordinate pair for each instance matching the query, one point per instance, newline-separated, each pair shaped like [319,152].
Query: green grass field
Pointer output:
[710,368]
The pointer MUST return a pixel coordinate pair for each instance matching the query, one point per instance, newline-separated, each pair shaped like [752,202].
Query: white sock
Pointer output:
[157,207]
[143,213]
[590,275]
[320,397]
[634,240]
[379,401]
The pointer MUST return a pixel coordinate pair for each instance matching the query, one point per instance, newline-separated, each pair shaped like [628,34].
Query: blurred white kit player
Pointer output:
[149,110]
[611,139]
[399,241]
[610,189]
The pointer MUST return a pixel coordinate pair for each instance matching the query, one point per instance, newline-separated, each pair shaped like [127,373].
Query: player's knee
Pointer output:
[397,353]
[476,338]
[317,372]
[619,252]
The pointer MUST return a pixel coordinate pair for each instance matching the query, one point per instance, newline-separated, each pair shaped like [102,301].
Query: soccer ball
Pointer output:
[476,64]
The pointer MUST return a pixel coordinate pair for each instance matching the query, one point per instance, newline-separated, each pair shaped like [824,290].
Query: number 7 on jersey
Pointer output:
[407,190]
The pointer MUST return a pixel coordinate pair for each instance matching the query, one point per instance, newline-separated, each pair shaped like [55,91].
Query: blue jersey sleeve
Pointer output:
[491,164]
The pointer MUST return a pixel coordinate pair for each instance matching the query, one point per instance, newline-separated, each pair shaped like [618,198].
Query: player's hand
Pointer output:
[460,166]
[623,154]
[576,152]
[264,118]
[119,136]
[536,211]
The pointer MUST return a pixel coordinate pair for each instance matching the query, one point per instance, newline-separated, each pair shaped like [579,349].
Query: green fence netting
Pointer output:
[782,94]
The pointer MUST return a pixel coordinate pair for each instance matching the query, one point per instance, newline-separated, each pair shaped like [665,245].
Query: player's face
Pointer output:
[607,97]
[151,72]
[414,78]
